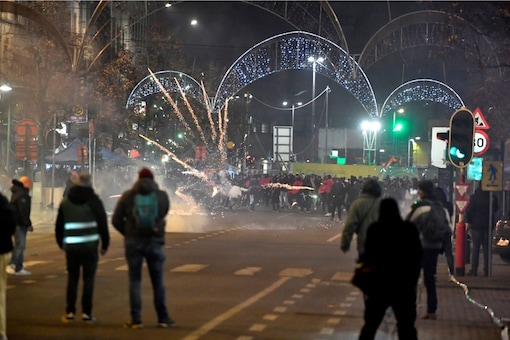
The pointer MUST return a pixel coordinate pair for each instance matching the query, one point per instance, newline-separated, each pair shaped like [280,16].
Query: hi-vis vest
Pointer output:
[80,227]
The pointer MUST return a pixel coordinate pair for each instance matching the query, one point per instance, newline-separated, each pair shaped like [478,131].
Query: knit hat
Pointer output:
[145,173]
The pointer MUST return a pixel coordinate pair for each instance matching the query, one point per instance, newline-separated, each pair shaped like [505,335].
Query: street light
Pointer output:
[410,149]
[285,103]
[396,128]
[7,88]
[370,129]
[314,62]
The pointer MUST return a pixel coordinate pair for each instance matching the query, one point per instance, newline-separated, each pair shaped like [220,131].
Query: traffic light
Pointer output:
[461,138]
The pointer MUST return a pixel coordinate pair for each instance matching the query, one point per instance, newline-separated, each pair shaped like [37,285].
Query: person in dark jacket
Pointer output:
[81,223]
[21,204]
[431,249]
[447,242]
[393,247]
[477,219]
[6,232]
[140,246]
[338,191]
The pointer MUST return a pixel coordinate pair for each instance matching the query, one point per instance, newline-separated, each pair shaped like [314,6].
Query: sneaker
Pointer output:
[166,324]
[69,317]
[133,325]
[23,272]
[10,269]
[429,316]
[328,214]
[88,318]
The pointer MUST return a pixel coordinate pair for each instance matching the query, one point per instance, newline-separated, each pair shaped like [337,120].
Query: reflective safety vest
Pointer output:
[80,227]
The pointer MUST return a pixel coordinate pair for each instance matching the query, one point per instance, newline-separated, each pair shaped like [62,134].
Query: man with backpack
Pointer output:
[140,217]
[433,222]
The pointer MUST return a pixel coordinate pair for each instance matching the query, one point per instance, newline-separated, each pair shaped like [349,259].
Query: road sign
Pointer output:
[480,121]
[461,205]
[461,189]
[492,176]
[481,142]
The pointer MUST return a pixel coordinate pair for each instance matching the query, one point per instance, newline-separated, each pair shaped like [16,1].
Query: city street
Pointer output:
[234,275]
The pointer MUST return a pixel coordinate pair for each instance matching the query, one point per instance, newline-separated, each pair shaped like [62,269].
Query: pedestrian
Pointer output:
[73,179]
[362,213]
[431,248]
[6,246]
[392,245]
[81,223]
[142,242]
[447,242]
[477,219]
[337,198]
[21,204]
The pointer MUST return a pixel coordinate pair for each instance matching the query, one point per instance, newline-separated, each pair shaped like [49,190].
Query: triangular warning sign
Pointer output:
[480,121]
[461,205]
[461,189]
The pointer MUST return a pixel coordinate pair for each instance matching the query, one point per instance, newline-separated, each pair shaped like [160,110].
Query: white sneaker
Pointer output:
[23,272]
[328,214]
[10,269]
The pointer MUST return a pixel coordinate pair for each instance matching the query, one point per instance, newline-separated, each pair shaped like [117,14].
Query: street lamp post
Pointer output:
[293,110]
[314,62]
[7,88]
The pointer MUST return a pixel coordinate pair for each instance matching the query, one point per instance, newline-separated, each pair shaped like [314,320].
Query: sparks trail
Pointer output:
[286,186]
[192,113]
[209,113]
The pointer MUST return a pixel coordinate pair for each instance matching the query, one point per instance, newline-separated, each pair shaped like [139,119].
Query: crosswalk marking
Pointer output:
[189,268]
[296,272]
[247,271]
[341,276]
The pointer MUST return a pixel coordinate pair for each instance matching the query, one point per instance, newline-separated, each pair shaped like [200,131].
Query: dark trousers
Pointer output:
[78,258]
[336,205]
[403,303]
[153,254]
[480,238]
[429,265]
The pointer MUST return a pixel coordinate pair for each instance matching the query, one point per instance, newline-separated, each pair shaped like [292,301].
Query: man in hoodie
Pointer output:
[140,245]
[81,223]
[21,204]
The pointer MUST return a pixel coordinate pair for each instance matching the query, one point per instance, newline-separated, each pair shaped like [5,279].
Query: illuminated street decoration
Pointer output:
[422,90]
[147,86]
[290,51]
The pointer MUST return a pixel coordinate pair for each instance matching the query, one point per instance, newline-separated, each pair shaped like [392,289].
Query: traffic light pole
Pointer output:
[460,236]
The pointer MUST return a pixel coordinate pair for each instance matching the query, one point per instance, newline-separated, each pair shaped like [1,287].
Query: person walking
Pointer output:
[477,219]
[391,245]
[21,204]
[337,198]
[141,243]
[431,248]
[447,242]
[362,213]
[6,246]
[81,223]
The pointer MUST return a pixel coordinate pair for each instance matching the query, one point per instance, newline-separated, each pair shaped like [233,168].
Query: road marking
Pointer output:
[337,236]
[234,310]
[189,268]
[248,271]
[327,331]
[270,317]
[341,276]
[280,309]
[296,272]
[33,263]
[258,327]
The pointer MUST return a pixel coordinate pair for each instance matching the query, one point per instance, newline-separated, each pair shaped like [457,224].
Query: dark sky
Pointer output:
[228,29]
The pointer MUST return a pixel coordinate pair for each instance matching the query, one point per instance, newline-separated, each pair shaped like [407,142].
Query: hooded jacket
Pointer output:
[123,218]
[82,220]
[21,203]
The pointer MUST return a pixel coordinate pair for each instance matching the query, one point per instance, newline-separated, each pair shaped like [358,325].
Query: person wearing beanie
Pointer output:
[21,204]
[142,242]
[362,213]
[80,229]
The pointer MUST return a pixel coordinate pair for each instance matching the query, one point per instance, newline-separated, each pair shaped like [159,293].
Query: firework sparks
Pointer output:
[286,186]
[192,113]
[209,113]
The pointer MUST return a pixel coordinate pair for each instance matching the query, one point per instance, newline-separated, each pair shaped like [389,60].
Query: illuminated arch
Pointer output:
[430,28]
[290,51]
[148,86]
[422,90]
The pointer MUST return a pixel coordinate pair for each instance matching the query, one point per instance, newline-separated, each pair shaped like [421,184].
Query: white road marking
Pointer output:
[248,271]
[337,236]
[270,317]
[327,331]
[258,327]
[234,310]
[296,272]
[189,268]
[280,309]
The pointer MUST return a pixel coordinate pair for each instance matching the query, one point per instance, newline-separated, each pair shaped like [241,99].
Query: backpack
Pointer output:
[146,213]
[436,224]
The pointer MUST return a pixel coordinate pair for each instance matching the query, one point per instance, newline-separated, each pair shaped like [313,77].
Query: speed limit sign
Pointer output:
[481,142]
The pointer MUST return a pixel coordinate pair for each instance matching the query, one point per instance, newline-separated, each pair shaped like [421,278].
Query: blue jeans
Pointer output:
[152,252]
[79,257]
[20,243]
[429,265]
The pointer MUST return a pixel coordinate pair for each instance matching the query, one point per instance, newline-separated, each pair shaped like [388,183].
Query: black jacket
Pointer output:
[477,212]
[123,218]
[80,195]
[21,203]
[8,226]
